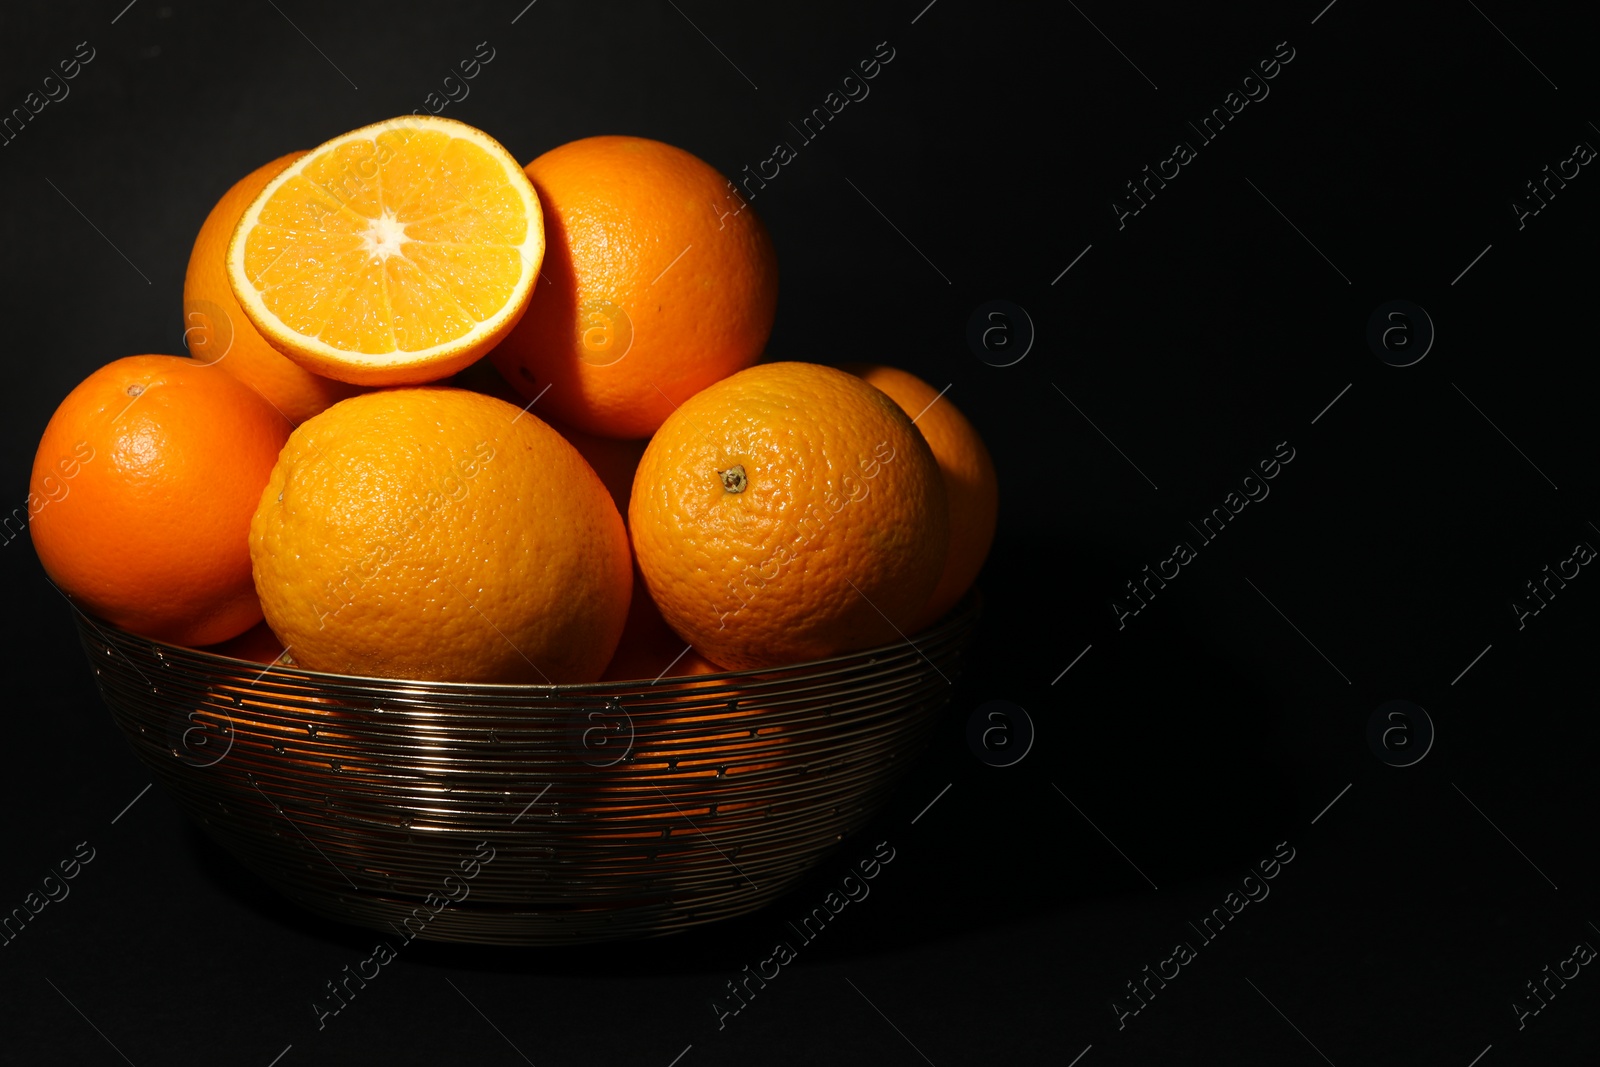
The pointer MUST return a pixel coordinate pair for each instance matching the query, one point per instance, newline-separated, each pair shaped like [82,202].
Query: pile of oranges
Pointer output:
[621,489]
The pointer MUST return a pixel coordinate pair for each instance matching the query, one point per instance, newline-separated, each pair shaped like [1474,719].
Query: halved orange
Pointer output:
[394,254]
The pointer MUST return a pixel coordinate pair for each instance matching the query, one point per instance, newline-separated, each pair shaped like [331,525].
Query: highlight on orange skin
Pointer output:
[147,523]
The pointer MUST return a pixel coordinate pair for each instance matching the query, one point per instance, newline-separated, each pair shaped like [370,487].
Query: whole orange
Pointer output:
[147,475]
[969,478]
[657,281]
[789,512]
[215,327]
[440,534]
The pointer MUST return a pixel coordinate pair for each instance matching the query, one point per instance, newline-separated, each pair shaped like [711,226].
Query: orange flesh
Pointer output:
[397,244]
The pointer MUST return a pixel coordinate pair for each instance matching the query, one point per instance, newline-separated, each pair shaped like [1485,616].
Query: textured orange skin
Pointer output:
[969,479]
[618,211]
[440,534]
[150,531]
[613,460]
[842,522]
[649,647]
[648,644]
[289,387]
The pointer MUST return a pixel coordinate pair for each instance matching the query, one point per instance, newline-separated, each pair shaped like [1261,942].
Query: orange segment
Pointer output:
[470,274]
[409,173]
[395,254]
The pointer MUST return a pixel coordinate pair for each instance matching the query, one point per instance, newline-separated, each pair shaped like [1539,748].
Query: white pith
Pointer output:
[384,236]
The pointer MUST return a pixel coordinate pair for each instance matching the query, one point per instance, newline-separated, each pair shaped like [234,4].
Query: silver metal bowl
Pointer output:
[528,814]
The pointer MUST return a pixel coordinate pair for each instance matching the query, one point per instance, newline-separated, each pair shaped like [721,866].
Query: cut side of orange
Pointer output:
[394,254]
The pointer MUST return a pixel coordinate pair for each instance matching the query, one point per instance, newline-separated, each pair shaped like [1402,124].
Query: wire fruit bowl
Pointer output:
[529,814]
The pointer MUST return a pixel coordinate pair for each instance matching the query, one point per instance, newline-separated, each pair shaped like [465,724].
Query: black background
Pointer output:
[1220,721]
